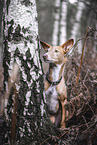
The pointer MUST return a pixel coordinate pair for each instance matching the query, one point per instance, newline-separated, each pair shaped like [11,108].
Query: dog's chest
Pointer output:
[52,99]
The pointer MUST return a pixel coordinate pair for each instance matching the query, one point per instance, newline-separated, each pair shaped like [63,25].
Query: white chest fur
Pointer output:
[56,72]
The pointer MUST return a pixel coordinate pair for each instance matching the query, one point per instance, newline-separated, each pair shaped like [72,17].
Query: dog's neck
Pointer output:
[55,72]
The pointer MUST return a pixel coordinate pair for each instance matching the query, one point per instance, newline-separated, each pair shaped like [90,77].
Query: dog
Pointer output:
[55,88]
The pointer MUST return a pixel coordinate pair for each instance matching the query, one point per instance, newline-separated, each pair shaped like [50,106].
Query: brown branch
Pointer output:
[82,56]
[45,140]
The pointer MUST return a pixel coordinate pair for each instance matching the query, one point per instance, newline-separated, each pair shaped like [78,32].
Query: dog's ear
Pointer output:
[67,45]
[45,45]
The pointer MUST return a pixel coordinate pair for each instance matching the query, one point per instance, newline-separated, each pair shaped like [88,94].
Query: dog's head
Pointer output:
[56,54]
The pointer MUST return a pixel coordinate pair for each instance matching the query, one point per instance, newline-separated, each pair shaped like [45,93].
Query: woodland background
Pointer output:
[58,21]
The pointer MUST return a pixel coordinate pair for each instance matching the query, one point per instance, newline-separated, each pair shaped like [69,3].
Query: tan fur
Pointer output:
[55,56]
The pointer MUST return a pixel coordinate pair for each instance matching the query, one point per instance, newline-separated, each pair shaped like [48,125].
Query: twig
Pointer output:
[82,56]
[63,134]
[85,121]
[45,140]
[89,127]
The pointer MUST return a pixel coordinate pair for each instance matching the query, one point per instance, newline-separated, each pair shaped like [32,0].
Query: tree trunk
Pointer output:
[75,33]
[56,23]
[21,47]
[1,57]
[63,23]
[60,23]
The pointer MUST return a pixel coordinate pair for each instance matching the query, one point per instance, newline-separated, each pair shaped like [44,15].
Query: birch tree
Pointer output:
[59,28]
[1,68]
[75,32]
[76,24]
[63,23]
[56,23]
[21,47]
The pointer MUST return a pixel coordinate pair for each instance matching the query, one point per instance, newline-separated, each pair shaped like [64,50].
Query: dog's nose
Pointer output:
[45,56]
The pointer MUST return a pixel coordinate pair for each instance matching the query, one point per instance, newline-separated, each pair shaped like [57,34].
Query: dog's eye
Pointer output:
[56,50]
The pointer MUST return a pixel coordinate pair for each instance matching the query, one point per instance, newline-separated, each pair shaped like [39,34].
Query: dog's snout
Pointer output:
[45,56]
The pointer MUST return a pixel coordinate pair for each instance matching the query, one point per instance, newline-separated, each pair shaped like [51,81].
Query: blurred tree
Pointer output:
[56,23]
[75,32]
[67,21]
[63,23]
[59,27]
[45,10]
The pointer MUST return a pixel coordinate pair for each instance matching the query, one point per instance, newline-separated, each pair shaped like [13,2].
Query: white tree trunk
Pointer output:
[56,23]
[60,23]
[63,23]
[21,46]
[75,33]
[1,72]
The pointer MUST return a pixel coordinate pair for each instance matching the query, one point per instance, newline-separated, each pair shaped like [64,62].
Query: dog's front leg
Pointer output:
[63,123]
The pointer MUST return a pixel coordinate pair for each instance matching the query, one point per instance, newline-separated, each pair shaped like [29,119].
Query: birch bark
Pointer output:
[21,46]
[63,23]
[75,33]
[56,23]
[59,28]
